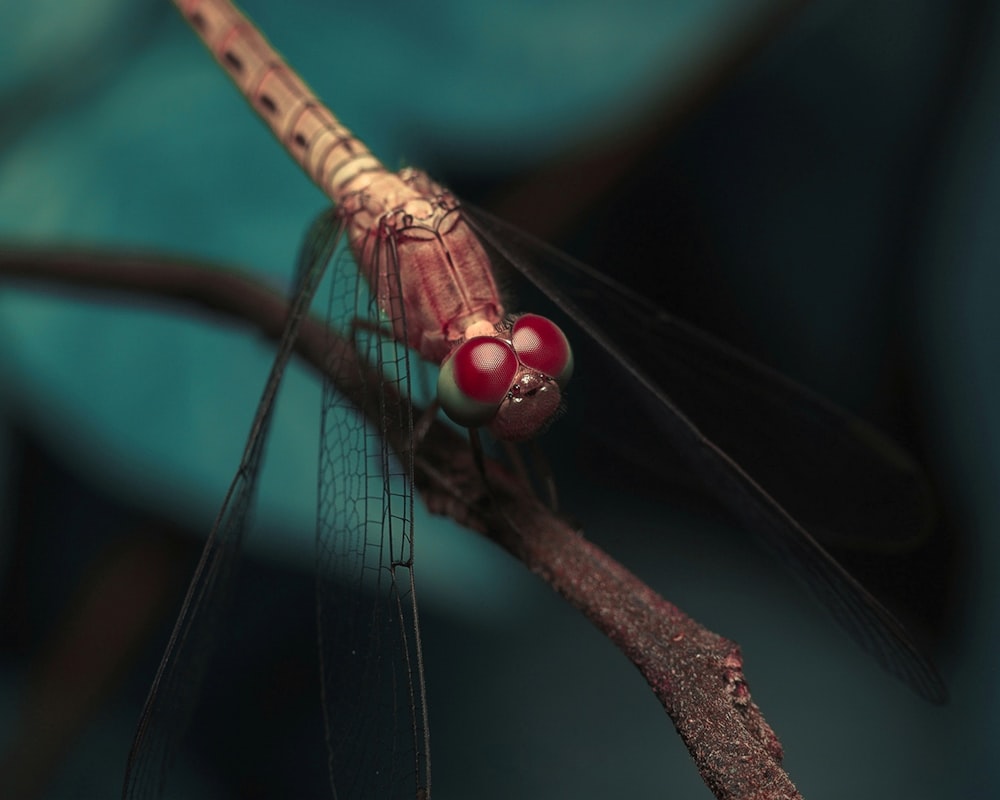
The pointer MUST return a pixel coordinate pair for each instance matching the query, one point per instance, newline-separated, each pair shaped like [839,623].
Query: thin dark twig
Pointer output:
[696,674]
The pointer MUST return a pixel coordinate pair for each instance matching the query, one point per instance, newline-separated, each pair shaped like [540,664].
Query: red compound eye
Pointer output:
[484,369]
[475,379]
[542,346]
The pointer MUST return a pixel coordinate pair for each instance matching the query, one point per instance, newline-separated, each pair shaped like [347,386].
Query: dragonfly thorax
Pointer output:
[428,270]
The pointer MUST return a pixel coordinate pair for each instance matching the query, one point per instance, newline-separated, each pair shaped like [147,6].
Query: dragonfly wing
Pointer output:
[844,480]
[371,667]
[841,478]
[173,694]
[741,416]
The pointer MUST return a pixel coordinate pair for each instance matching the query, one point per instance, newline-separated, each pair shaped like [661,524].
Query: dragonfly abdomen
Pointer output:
[332,156]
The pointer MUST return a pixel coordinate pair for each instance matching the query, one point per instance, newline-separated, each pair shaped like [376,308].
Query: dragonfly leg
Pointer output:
[544,475]
[477,455]
[476,443]
[542,468]
[542,472]
[423,423]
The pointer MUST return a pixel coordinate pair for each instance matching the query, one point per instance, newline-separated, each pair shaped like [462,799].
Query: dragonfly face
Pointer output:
[510,382]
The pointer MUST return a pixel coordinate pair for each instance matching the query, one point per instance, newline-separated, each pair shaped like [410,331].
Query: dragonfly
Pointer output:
[415,270]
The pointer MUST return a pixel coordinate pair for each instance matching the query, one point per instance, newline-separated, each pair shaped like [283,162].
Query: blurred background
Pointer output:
[816,182]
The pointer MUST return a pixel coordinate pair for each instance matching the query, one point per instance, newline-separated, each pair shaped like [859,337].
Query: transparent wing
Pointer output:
[811,462]
[174,692]
[841,478]
[370,660]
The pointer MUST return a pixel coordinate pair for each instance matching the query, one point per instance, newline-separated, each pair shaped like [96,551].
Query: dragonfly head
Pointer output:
[511,382]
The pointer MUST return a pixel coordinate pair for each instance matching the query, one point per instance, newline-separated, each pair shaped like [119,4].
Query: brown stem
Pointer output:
[696,674]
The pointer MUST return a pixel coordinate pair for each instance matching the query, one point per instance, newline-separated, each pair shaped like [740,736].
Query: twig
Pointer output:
[696,674]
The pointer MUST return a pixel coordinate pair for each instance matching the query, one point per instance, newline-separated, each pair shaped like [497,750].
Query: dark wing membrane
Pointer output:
[842,479]
[371,668]
[174,692]
[740,418]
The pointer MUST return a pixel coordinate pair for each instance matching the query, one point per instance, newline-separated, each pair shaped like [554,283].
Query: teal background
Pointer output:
[832,209]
